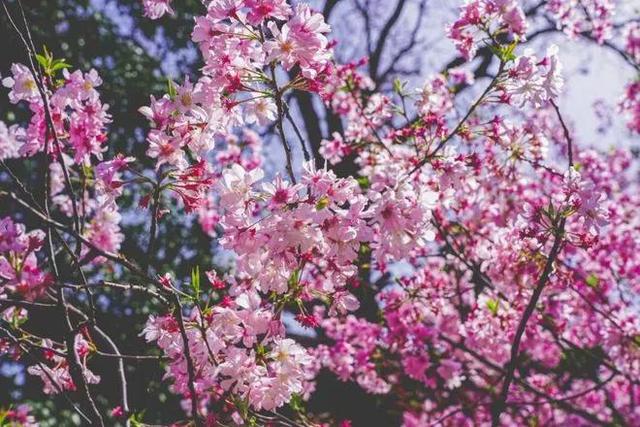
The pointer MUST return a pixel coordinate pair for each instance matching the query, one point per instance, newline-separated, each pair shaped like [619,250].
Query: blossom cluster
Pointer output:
[630,102]
[423,336]
[79,118]
[481,20]
[240,351]
[241,43]
[243,150]
[535,81]
[54,372]
[19,269]
[78,135]
[578,17]
[314,231]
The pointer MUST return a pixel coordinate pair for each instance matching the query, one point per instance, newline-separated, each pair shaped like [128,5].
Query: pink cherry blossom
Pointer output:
[155,9]
[22,84]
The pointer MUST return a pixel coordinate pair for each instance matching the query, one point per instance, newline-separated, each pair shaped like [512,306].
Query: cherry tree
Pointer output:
[464,263]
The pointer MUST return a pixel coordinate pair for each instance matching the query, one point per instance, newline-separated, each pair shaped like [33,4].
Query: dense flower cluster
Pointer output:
[19,270]
[630,102]
[243,150]
[481,20]
[578,17]
[314,231]
[535,81]
[239,349]
[77,136]
[354,352]
[423,336]
[78,115]
[238,83]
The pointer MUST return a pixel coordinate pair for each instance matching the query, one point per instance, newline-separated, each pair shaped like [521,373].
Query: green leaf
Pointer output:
[363,182]
[42,60]
[261,351]
[399,86]
[364,249]
[3,417]
[87,170]
[195,280]
[508,52]
[294,279]
[17,320]
[171,88]
[592,281]
[322,203]
[296,403]
[59,65]
[505,53]
[493,305]
[135,420]
[49,64]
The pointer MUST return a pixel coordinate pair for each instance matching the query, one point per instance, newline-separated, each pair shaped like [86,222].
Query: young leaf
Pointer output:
[195,280]
[592,281]
[322,203]
[493,305]
[171,88]
[43,61]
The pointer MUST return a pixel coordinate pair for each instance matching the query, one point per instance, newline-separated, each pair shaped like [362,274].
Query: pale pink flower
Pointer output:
[261,111]
[155,9]
[10,140]
[235,185]
[23,86]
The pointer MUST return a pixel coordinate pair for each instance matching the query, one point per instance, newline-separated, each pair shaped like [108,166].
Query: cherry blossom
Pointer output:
[155,9]
[464,270]
[477,18]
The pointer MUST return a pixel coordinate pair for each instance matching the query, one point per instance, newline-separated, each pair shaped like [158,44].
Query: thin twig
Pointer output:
[45,370]
[153,230]
[187,356]
[287,113]
[567,135]
[121,371]
[279,125]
